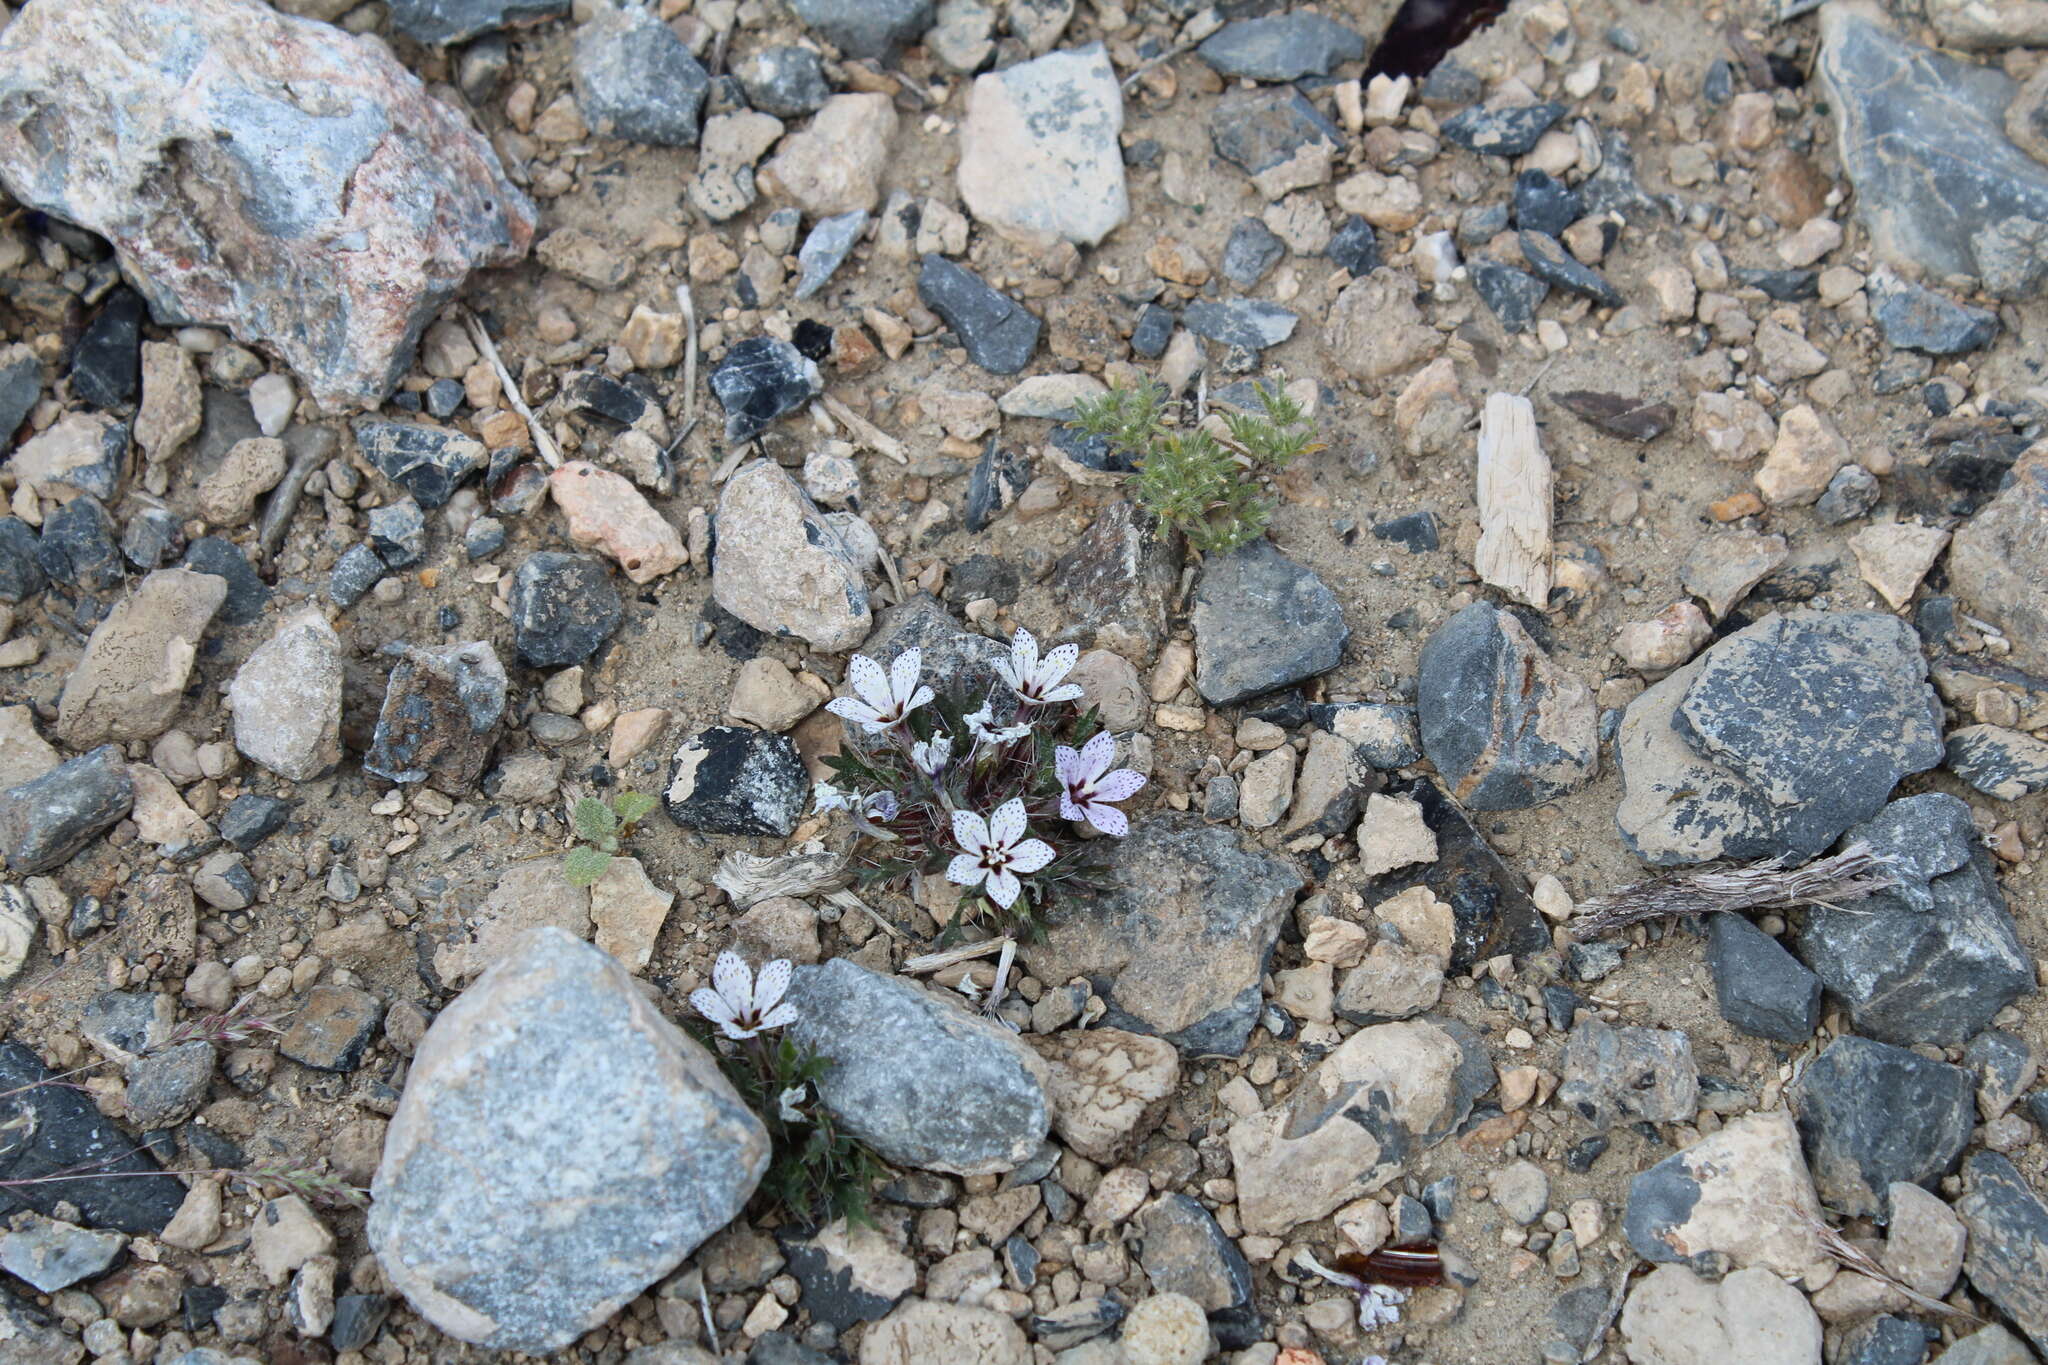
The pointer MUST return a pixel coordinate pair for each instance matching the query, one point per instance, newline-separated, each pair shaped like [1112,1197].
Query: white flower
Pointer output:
[1036,680]
[787,1103]
[1379,1305]
[826,797]
[930,755]
[1087,786]
[996,851]
[982,725]
[741,1006]
[881,700]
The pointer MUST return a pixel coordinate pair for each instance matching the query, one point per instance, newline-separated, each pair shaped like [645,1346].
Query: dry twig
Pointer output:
[1849,875]
[688,304]
[1858,1260]
[542,442]
[807,872]
[865,432]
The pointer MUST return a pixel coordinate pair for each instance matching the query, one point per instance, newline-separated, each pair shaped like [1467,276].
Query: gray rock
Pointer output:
[122,1025]
[917,1077]
[1922,137]
[1250,253]
[997,480]
[1552,264]
[428,462]
[1262,622]
[1491,910]
[1851,493]
[1991,1345]
[59,1131]
[780,566]
[452,21]
[152,538]
[1870,1114]
[1885,1340]
[1505,726]
[734,780]
[829,244]
[398,533]
[357,1318]
[1262,131]
[166,1088]
[1382,733]
[1760,987]
[442,712]
[959,659]
[358,570]
[1777,739]
[866,28]
[788,82]
[78,547]
[1501,132]
[1934,957]
[761,379]
[635,79]
[21,570]
[1119,578]
[1512,294]
[610,1147]
[247,592]
[563,607]
[333,231]
[1076,1322]
[1040,156]
[999,333]
[2004,1066]
[2008,1227]
[1355,247]
[1545,204]
[46,820]
[1913,317]
[1178,948]
[52,1255]
[1185,1252]
[332,1028]
[21,387]
[1628,1075]
[2007,764]
[1281,48]
[1991,561]
[1253,324]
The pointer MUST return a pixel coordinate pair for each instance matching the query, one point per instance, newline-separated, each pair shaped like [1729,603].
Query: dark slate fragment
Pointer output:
[996,481]
[866,28]
[358,570]
[247,592]
[152,538]
[563,607]
[1282,47]
[1354,247]
[483,537]
[1504,726]
[252,817]
[441,714]
[78,547]
[1253,324]
[57,1130]
[1630,418]
[733,780]
[1915,318]
[428,462]
[1512,294]
[452,21]
[357,1320]
[1381,733]
[1256,130]
[1551,263]
[827,246]
[788,82]
[1501,132]
[1186,1252]
[46,820]
[1075,1322]
[21,388]
[1090,451]
[2008,1242]
[106,369]
[1851,493]
[1886,1340]
[1786,286]
[398,533]
[332,1028]
[1262,622]
[1760,987]
[1154,330]
[2007,764]
[444,396]
[1416,532]
[1870,1113]
[1545,204]
[1251,252]
[21,569]
[2003,1064]
[615,400]
[999,333]
[635,79]
[760,380]
[1490,906]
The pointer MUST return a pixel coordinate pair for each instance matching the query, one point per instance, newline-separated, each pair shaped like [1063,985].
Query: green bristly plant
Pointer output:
[1209,489]
[602,827]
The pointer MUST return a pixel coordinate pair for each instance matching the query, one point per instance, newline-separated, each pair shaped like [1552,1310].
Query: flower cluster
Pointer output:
[935,788]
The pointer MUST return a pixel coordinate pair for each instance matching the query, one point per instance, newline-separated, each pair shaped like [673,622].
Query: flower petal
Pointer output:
[770,985]
[1003,887]
[964,870]
[1030,855]
[736,1033]
[970,831]
[1006,826]
[1066,765]
[869,682]
[1098,753]
[1108,819]
[733,979]
[1070,811]
[782,1015]
[903,674]
[711,1005]
[1058,664]
[917,699]
[1119,785]
[1064,692]
[1024,653]
[857,711]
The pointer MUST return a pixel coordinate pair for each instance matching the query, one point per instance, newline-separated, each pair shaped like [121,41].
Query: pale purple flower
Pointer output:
[881,804]
[739,1004]
[982,725]
[787,1103]
[1379,1305]
[1087,786]
[826,797]
[995,851]
[1035,680]
[930,755]
[881,700]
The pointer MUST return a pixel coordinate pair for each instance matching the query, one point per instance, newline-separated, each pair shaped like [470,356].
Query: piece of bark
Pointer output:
[1514,501]
[1631,418]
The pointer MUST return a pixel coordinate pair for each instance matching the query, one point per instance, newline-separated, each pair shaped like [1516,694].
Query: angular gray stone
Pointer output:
[1185,1252]
[559,1147]
[827,246]
[53,1255]
[734,780]
[1262,131]
[1178,948]
[1922,136]
[998,332]
[1760,987]
[1501,132]
[563,607]
[441,715]
[1505,727]
[2007,764]
[59,1131]
[1251,251]
[1628,1075]
[166,1088]
[635,79]
[780,566]
[762,379]
[452,21]
[866,28]
[919,1078]
[787,82]
[1870,1113]
[1262,622]
[2008,1243]
[956,658]
[427,461]
[1934,957]
[1253,324]
[332,230]
[44,821]
[1281,47]
[1119,578]
[1913,317]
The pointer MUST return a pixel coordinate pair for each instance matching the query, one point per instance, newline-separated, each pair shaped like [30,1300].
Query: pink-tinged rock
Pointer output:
[606,511]
[269,174]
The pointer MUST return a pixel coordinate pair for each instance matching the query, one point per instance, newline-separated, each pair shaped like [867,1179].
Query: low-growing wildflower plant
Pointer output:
[816,1170]
[980,797]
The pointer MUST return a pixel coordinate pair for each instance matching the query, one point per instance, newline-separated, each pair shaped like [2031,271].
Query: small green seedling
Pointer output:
[1205,487]
[602,826]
